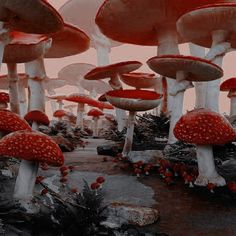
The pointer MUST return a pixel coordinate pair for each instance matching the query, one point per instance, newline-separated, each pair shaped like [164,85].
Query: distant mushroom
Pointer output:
[59,98]
[81,100]
[4,100]
[74,73]
[183,69]
[113,72]
[132,101]
[205,128]
[59,114]
[230,85]
[70,107]
[86,21]
[95,113]
[32,148]
[36,118]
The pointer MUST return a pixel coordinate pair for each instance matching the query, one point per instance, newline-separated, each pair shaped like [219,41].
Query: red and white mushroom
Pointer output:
[230,86]
[95,113]
[205,128]
[113,72]
[81,100]
[211,26]
[59,114]
[36,118]
[132,101]
[183,69]
[32,148]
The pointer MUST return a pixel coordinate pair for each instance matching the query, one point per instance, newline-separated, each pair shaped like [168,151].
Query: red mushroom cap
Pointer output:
[10,122]
[111,70]
[204,127]
[102,98]
[229,84]
[31,146]
[59,113]
[139,80]
[81,98]
[4,97]
[95,113]
[104,105]
[197,69]
[68,42]
[100,179]
[134,100]
[38,117]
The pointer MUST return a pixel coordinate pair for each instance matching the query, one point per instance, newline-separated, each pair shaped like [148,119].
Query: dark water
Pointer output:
[193,212]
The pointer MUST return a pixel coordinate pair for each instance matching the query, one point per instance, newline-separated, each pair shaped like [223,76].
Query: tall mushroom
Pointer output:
[211,26]
[146,22]
[132,101]
[183,68]
[86,21]
[113,72]
[95,113]
[34,148]
[205,128]
[26,16]
[230,86]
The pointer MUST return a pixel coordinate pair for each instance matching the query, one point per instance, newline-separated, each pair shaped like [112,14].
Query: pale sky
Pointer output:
[130,52]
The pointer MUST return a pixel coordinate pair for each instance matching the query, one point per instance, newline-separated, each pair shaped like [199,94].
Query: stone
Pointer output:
[147,156]
[63,143]
[121,213]
[108,150]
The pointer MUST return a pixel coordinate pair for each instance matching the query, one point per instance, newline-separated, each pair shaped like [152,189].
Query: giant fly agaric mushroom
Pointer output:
[147,22]
[230,86]
[34,148]
[113,72]
[211,26]
[183,68]
[132,101]
[95,113]
[205,128]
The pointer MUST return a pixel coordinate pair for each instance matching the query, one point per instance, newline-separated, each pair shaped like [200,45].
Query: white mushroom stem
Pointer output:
[232,97]
[52,102]
[36,72]
[80,113]
[95,126]
[168,44]
[102,55]
[22,98]
[129,134]
[13,87]
[206,167]
[26,178]
[200,87]
[60,104]
[218,50]
[4,40]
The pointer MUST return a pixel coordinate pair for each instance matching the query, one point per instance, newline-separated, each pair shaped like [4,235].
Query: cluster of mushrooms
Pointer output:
[45,33]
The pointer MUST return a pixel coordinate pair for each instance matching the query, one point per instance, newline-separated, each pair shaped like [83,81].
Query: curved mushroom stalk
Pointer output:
[13,88]
[217,52]
[200,87]
[129,134]
[22,98]
[102,45]
[79,120]
[206,167]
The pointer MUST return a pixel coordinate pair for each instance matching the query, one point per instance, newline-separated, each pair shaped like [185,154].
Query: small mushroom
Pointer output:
[4,100]
[36,118]
[95,113]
